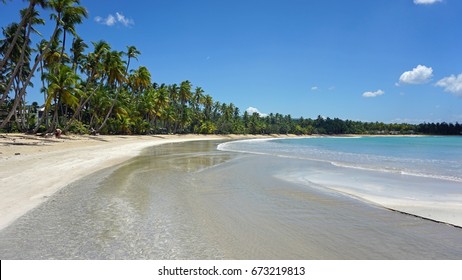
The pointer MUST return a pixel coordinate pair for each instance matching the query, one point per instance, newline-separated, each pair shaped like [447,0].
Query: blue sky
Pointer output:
[368,60]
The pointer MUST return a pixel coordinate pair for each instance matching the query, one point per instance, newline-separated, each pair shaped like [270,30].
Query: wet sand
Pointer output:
[190,201]
[33,168]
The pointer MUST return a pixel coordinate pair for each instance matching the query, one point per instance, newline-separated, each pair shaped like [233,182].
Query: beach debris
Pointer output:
[17,154]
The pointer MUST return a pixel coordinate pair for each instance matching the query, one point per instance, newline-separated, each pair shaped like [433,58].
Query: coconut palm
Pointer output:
[208,104]
[77,49]
[59,7]
[13,62]
[184,96]
[24,20]
[140,80]
[62,90]
[92,65]
[161,103]
[20,52]
[114,69]
[132,52]
[72,15]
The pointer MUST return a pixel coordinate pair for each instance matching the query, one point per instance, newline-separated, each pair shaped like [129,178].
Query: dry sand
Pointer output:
[33,168]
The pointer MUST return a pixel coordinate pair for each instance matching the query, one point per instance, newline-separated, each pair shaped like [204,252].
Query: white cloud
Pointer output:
[125,21]
[426,2]
[111,20]
[419,75]
[452,84]
[314,88]
[252,110]
[373,93]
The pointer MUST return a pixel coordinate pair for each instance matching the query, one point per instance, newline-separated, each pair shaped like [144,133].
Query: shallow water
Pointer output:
[190,201]
[416,175]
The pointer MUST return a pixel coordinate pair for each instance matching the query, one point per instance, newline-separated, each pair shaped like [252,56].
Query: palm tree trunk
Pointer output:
[29,77]
[109,112]
[12,112]
[77,112]
[128,65]
[18,65]
[16,34]
[55,119]
[63,46]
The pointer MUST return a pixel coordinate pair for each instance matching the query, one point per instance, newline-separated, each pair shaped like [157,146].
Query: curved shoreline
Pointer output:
[33,168]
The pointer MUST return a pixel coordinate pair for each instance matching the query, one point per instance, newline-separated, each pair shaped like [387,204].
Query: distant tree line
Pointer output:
[91,88]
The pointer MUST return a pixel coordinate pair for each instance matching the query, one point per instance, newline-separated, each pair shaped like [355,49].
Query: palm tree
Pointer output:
[59,6]
[13,64]
[92,65]
[25,17]
[113,66]
[169,117]
[132,52]
[62,90]
[161,103]
[93,62]
[184,96]
[72,15]
[140,80]
[114,69]
[208,104]
[21,52]
[77,49]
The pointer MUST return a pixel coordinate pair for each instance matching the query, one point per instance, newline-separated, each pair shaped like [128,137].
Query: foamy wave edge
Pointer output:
[225,147]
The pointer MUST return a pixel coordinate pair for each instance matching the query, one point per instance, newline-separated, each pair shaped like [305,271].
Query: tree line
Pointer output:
[88,87]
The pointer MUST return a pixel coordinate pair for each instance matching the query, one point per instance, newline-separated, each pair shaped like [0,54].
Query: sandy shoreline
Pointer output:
[34,168]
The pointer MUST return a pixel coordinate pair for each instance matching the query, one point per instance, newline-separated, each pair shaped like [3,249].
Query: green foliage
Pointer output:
[207,127]
[78,127]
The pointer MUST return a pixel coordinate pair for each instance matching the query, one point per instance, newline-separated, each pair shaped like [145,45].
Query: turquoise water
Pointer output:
[435,157]
[416,175]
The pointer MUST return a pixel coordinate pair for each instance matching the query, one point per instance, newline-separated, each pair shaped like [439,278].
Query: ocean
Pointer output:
[416,175]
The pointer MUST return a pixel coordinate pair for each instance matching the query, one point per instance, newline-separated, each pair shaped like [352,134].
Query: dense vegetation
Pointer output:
[90,87]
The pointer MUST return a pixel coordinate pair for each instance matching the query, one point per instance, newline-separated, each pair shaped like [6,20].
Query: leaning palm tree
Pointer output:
[21,53]
[26,15]
[59,6]
[8,75]
[92,65]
